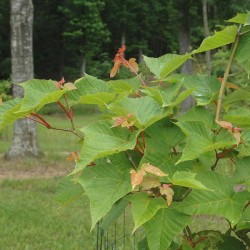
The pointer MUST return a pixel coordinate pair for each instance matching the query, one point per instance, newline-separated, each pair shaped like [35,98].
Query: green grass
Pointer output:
[55,144]
[31,219]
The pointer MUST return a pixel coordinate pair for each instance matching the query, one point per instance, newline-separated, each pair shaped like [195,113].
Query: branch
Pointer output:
[68,130]
[226,74]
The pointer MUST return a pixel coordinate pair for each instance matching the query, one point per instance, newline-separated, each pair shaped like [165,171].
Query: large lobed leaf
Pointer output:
[222,201]
[164,226]
[164,65]
[68,190]
[38,93]
[200,139]
[242,18]
[242,54]
[219,39]
[161,138]
[105,184]
[8,112]
[145,110]
[205,88]
[91,90]
[144,207]
[101,140]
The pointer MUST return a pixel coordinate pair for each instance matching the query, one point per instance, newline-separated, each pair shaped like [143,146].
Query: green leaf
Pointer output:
[219,39]
[244,147]
[163,227]
[8,111]
[242,171]
[160,139]
[145,110]
[164,65]
[205,88]
[230,242]
[143,244]
[236,96]
[145,207]
[170,96]
[200,140]
[38,93]
[240,117]
[244,222]
[222,201]
[102,99]
[68,190]
[105,184]
[198,114]
[186,179]
[125,86]
[101,140]
[115,212]
[242,54]
[242,18]
[87,87]
[165,95]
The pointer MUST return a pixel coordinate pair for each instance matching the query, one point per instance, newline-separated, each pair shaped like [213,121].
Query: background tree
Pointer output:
[25,135]
[84,29]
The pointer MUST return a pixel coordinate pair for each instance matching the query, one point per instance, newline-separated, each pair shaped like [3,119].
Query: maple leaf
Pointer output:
[233,130]
[168,192]
[136,177]
[74,156]
[119,60]
[153,170]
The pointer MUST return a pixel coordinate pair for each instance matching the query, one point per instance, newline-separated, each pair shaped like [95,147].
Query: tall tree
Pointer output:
[21,20]
[206,31]
[85,29]
[184,45]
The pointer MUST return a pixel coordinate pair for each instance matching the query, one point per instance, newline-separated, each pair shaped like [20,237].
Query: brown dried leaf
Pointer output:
[153,170]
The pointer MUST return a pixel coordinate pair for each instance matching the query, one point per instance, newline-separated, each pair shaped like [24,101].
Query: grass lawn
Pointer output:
[31,219]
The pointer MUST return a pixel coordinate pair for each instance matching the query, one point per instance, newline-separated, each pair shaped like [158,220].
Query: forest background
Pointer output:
[76,36]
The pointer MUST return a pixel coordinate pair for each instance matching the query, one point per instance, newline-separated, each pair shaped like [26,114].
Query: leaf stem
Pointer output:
[134,71]
[68,113]
[42,121]
[226,74]
[68,130]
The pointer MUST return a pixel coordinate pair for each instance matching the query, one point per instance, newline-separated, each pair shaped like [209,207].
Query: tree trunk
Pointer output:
[184,47]
[21,20]
[206,31]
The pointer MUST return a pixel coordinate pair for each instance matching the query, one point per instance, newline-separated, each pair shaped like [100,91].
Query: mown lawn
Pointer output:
[31,219]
